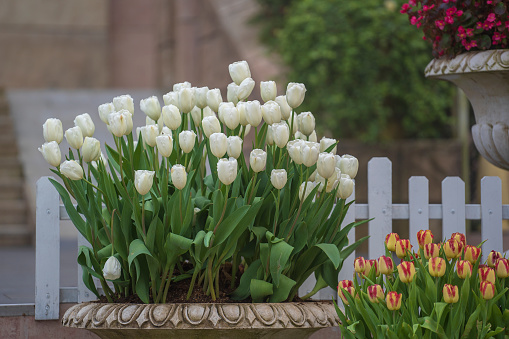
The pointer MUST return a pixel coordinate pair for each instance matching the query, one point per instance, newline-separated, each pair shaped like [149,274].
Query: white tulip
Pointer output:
[151,107]
[295,130]
[171,116]
[281,133]
[171,98]
[117,124]
[269,139]
[208,112]
[241,107]
[105,110]
[295,150]
[346,186]
[326,143]
[91,149]
[231,93]
[128,121]
[177,87]
[218,144]
[179,176]
[308,186]
[51,153]
[227,170]
[245,89]
[268,90]
[286,110]
[310,153]
[234,146]
[52,130]
[326,164]
[149,134]
[312,137]
[143,181]
[271,112]
[166,131]
[214,99]
[201,97]
[295,93]
[230,115]
[196,115]
[164,144]
[239,71]
[112,269]
[71,170]
[253,113]
[348,164]
[102,158]
[187,140]
[258,160]
[332,181]
[74,137]
[124,102]
[84,121]
[210,125]
[246,129]
[306,122]
[278,178]
[159,123]
[187,99]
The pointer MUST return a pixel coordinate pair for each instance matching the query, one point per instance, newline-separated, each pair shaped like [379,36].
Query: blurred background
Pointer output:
[362,64]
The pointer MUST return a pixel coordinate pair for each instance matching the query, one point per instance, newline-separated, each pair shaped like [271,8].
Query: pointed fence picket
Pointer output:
[453,211]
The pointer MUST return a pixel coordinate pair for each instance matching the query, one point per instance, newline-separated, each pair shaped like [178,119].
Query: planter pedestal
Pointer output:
[484,77]
[243,320]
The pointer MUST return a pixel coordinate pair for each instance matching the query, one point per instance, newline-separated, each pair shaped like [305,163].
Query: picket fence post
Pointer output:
[418,207]
[491,215]
[453,206]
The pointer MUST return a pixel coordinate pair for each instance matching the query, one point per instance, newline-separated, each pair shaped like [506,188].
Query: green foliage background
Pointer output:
[363,65]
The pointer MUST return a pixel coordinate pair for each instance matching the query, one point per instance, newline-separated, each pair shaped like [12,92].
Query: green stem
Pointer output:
[277,213]
[211,280]
[234,270]
[107,290]
[252,189]
[224,210]
[193,280]
[160,292]
[170,275]
[143,215]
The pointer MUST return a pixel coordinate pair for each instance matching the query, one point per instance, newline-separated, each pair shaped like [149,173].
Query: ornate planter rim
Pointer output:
[480,61]
[100,316]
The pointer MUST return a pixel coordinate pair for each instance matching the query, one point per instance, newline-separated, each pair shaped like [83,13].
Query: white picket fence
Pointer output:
[453,211]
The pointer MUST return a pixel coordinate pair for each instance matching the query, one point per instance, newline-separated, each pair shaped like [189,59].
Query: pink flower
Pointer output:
[488,25]
[449,19]
[405,8]
[412,2]
[491,17]
[459,13]
[413,20]
[470,32]
[479,25]
[461,32]
[451,11]
[440,24]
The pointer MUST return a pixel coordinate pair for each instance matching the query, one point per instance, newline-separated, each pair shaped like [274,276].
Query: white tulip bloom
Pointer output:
[179,176]
[71,169]
[177,87]
[91,149]
[171,98]
[52,130]
[286,110]
[281,133]
[241,108]
[151,107]
[326,164]
[143,181]
[51,153]
[112,269]
[218,144]
[278,178]
[187,99]
[118,124]
[239,71]
[332,181]
[105,110]
[164,144]
[201,97]
[308,186]
[348,164]
[271,112]
[214,99]
[346,187]
[258,160]
[210,125]
[295,93]
[245,89]
[149,134]
[196,115]
[234,146]
[253,113]
[84,121]
[124,102]
[326,143]
[230,115]
[295,150]
[268,90]
[227,170]
[312,137]
[74,137]
[171,116]
[306,122]
[187,140]
[269,139]
[310,153]
[231,93]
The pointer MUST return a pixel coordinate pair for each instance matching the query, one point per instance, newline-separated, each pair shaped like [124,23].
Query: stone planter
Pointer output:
[278,320]
[484,77]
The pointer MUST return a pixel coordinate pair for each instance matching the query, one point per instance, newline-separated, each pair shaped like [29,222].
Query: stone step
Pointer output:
[15,235]
[11,188]
[13,212]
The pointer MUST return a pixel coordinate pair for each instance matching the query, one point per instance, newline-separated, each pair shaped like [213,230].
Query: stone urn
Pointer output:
[230,320]
[484,77]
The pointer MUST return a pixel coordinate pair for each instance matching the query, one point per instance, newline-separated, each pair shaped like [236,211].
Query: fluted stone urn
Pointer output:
[484,77]
[231,320]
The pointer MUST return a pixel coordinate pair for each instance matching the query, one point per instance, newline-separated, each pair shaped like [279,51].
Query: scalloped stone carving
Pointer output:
[484,77]
[278,320]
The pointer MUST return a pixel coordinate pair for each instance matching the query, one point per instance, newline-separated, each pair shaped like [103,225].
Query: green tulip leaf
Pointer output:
[260,290]
[243,291]
[332,252]
[279,255]
[282,291]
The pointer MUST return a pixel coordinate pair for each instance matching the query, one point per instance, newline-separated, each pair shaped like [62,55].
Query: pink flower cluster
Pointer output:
[455,26]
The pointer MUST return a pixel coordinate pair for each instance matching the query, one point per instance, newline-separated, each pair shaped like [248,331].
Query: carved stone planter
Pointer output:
[484,77]
[278,320]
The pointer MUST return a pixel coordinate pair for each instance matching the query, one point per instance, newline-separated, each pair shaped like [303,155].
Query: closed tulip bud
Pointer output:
[359,265]
[332,182]
[218,144]
[177,87]
[375,293]
[143,181]
[372,264]
[406,271]
[393,300]
[431,250]
[257,160]
[231,116]
[51,153]
[246,130]
[286,110]
[165,131]
[149,133]
[117,124]
[493,257]
[460,237]
[350,290]
[105,110]
[487,290]
[239,71]
[128,121]
[52,130]
[402,247]
[201,97]
[214,99]
[232,91]
[178,176]
[74,137]
[71,170]
[305,189]
[124,102]
[310,153]
[164,144]
[234,147]
[306,122]
[312,137]
[281,134]
[253,113]
[241,107]
[486,273]
[436,266]
[271,112]
[325,143]
[278,178]
[348,165]
[187,140]
[171,98]
[346,187]
[268,90]
[84,121]
[390,241]
[151,107]
[295,93]
[345,284]
[452,249]
[472,253]
[270,136]
[295,150]
[326,164]
[463,269]
[424,237]
[210,125]
[227,170]
[385,265]
[112,269]
[196,115]
[450,293]
[502,268]
[187,99]
[91,149]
